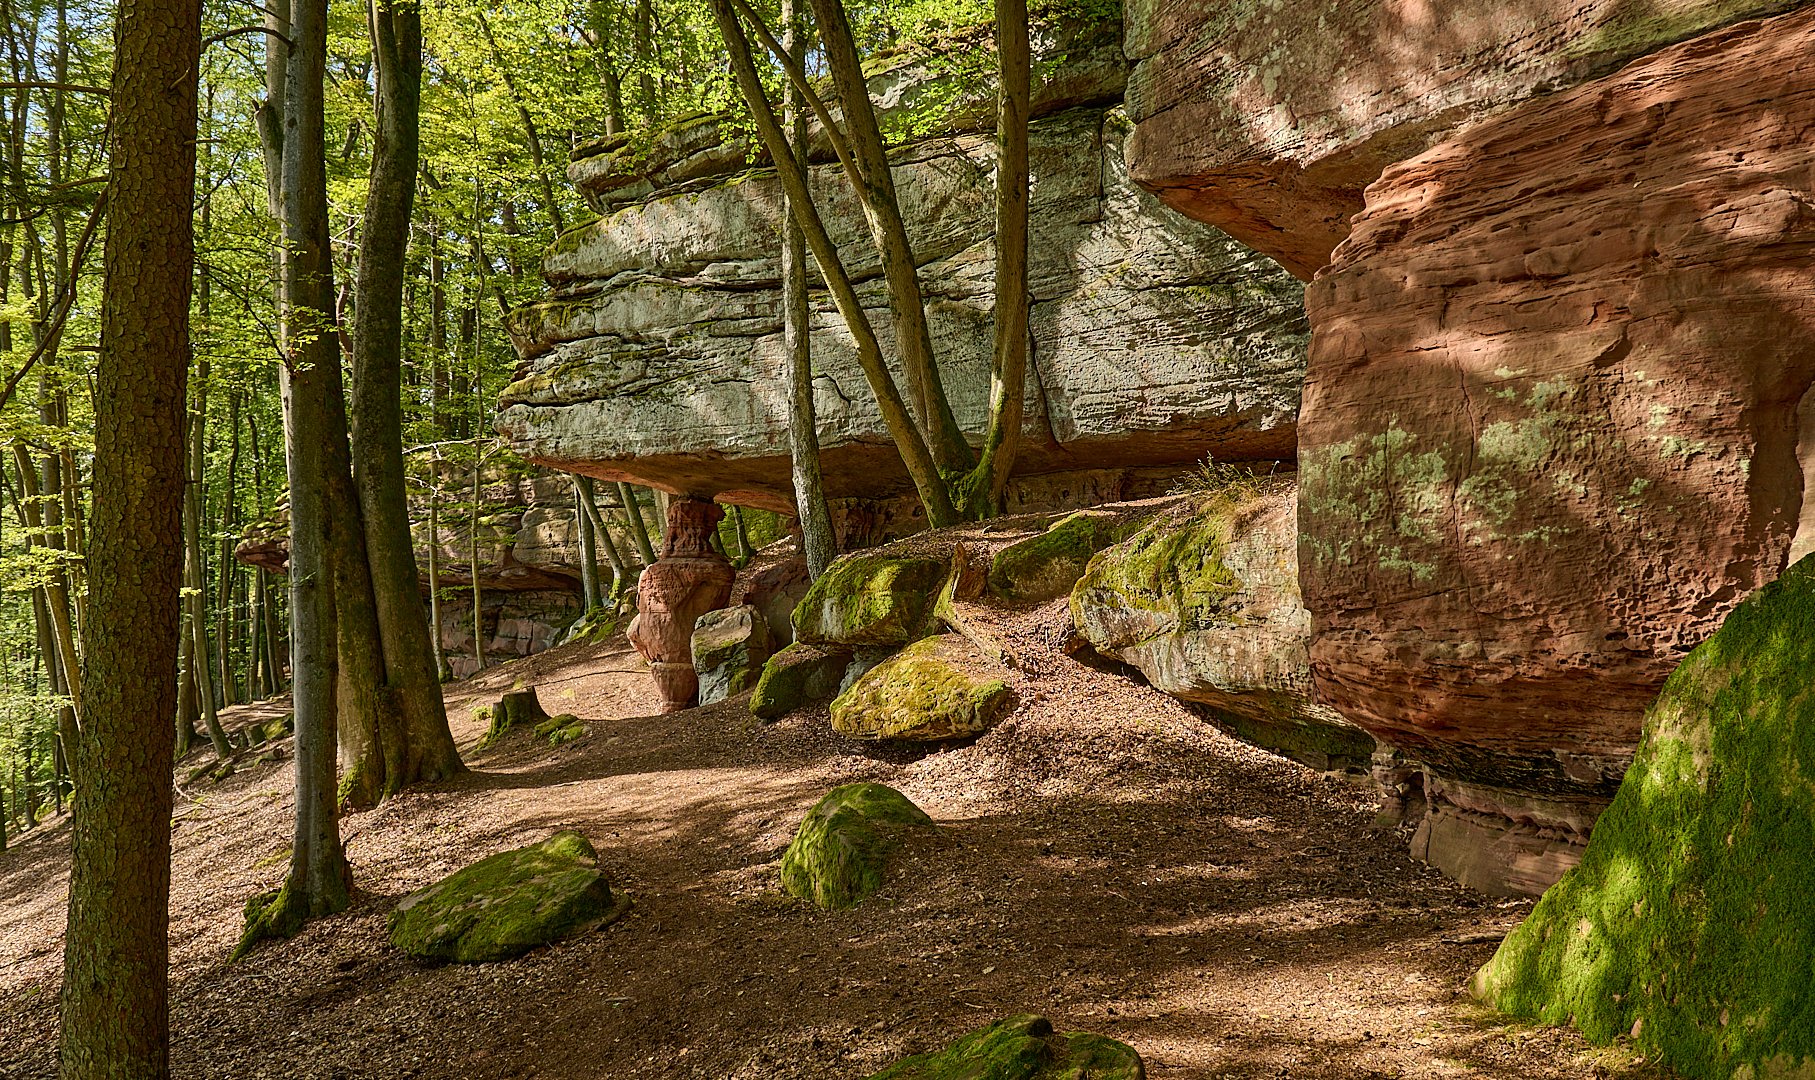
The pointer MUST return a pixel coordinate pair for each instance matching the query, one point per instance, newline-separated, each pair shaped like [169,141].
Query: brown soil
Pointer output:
[1103,857]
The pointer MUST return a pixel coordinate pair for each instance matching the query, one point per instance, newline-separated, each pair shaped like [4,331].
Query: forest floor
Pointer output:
[1104,857]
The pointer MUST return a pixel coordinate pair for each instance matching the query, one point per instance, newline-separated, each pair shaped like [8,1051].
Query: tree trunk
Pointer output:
[913,341]
[633,512]
[589,556]
[318,880]
[473,564]
[116,959]
[817,541]
[601,532]
[921,466]
[195,604]
[985,488]
[410,668]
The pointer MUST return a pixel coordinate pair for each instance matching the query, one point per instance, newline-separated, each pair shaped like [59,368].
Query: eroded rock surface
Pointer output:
[1554,427]
[729,648]
[1268,120]
[658,355]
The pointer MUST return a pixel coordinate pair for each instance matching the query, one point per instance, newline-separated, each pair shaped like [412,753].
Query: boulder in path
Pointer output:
[938,688]
[870,599]
[503,906]
[1023,1048]
[729,648]
[798,675]
[841,851]
[1689,924]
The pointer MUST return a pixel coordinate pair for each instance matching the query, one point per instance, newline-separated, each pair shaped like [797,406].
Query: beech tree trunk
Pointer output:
[318,880]
[426,746]
[985,488]
[818,543]
[920,463]
[116,958]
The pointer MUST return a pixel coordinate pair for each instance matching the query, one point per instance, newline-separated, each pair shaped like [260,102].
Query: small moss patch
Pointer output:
[1690,924]
[870,599]
[841,851]
[938,688]
[508,904]
[1048,565]
[1023,1048]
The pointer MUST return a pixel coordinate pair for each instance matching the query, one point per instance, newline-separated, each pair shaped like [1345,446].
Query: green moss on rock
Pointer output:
[508,904]
[1023,1048]
[798,675]
[1690,924]
[870,599]
[938,688]
[1172,567]
[841,851]
[1048,565]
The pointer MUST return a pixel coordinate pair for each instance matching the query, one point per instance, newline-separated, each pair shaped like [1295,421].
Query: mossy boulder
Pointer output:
[938,688]
[1023,1048]
[1047,565]
[729,648]
[1204,601]
[1689,925]
[870,599]
[841,852]
[798,675]
[503,906]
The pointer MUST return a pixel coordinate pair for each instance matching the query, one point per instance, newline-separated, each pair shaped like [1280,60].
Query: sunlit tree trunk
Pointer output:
[116,961]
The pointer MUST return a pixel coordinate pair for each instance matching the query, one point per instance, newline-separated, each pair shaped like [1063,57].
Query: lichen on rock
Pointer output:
[939,688]
[841,851]
[505,905]
[729,648]
[870,599]
[1023,1048]
[1690,922]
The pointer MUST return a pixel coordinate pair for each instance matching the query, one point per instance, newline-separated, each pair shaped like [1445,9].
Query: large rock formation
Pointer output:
[658,355]
[1268,119]
[1556,426]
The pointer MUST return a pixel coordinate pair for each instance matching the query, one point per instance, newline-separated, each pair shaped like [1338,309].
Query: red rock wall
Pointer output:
[1550,426]
[1268,119]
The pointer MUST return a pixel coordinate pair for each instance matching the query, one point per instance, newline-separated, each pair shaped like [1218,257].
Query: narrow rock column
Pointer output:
[688,580]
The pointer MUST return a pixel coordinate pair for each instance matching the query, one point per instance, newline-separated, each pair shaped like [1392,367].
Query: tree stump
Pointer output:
[517,708]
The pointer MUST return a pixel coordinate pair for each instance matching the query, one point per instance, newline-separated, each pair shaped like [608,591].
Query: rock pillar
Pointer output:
[688,580]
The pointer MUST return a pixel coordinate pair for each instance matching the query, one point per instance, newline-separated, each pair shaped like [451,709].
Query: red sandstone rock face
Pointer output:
[1550,433]
[1268,119]
[689,580]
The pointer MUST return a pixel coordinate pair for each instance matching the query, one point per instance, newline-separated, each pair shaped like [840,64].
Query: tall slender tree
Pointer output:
[116,959]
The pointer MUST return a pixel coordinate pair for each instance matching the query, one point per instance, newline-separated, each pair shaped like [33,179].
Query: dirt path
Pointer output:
[1104,858]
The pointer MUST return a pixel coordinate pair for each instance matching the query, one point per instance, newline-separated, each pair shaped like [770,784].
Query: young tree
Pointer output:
[115,1008]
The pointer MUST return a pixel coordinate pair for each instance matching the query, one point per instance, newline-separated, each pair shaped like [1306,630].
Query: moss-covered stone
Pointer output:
[1689,925]
[560,729]
[938,688]
[508,904]
[870,599]
[841,851]
[729,648]
[798,675]
[1047,565]
[1023,1048]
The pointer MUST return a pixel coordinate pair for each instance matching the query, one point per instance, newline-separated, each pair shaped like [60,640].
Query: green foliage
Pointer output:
[1689,926]
[841,850]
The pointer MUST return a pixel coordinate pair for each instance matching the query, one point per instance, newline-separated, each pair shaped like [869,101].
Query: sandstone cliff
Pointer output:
[657,357]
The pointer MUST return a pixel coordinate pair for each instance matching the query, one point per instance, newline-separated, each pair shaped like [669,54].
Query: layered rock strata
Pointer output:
[1268,120]
[658,357]
[1555,427]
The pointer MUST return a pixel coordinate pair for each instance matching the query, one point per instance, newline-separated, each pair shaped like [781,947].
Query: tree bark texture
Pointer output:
[116,959]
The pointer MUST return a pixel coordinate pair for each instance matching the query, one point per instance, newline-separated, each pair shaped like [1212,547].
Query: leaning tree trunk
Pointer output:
[986,487]
[410,669]
[920,463]
[817,541]
[913,341]
[116,954]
